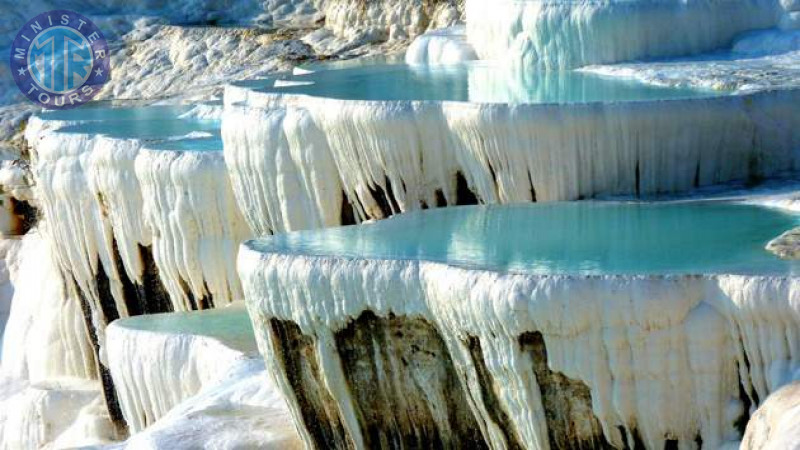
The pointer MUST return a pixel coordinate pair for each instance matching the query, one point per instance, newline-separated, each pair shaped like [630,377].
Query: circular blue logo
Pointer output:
[60,59]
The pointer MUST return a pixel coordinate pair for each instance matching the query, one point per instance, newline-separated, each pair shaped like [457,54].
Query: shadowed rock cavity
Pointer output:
[387,204]
[571,424]
[297,355]
[109,393]
[405,391]
[149,297]
[26,215]
[404,386]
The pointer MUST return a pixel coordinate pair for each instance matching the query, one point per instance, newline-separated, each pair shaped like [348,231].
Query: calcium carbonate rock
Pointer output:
[240,410]
[566,34]
[447,46]
[58,413]
[776,424]
[300,162]
[389,18]
[787,245]
[46,336]
[9,263]
[196,225]
[158,361]
[375,346]
[49,395]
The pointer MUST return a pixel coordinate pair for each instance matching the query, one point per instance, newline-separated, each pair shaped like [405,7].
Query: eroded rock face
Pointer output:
[316,408]
[787,245]
[571,424]
[402,380]
[541,361]
[406,391]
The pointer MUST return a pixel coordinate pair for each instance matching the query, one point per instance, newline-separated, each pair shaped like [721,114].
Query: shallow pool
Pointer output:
[478,82]
[594,238]
[106,111]
[230,325]
[151,128]
[210,143]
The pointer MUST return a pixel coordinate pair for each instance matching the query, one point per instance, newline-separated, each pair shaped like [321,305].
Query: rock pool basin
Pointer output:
[397,137]
[105,168]
[581,238]
[640,322]
[159,360]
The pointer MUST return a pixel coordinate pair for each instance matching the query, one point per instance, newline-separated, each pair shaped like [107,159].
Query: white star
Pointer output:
[98,72]
[21,71]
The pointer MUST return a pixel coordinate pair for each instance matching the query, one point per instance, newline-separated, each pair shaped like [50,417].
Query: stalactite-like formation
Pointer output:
[365,347]
[564,34]
[291,157]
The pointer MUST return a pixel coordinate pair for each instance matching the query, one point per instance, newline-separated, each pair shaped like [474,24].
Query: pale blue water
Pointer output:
[591,238]
[104,111]
[230,325]
[203,144]
[474,82]
[144,129]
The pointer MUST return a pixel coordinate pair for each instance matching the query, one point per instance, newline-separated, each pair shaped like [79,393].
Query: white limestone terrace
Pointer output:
[94,160]
[539,325]
[157,361]
[85,173]
[565,34]
[445,46]
[395,138]
[756,61]
[195,221]
[49,392]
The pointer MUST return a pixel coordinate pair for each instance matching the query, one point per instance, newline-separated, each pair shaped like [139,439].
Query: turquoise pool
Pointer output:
[590,238]
[207,131]
[478,82]
[230,325]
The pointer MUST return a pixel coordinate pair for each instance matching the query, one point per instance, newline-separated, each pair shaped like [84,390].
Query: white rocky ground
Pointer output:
[241,410]
[204,386]
[161,52]
[157,60]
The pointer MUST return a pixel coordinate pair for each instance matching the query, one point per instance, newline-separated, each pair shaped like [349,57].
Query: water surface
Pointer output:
[105,111]
[230,325]
[589,238]
[478,82]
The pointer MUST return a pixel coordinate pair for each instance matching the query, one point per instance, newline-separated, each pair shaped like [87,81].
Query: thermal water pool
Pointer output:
[565,238]
[479,82]
[405,137]
[230,326]
[105,110]
[146,129]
